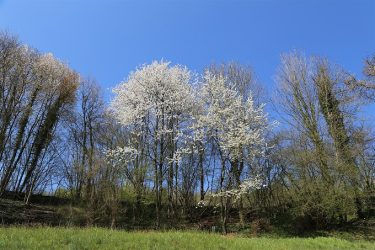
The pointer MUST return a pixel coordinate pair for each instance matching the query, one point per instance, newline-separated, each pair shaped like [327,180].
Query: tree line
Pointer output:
[185,143]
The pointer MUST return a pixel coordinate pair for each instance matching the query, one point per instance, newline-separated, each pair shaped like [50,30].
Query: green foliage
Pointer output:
[95,238]
[318,206]
[73,215]
[63,193]
[366,204]
[323,204]
[260,225]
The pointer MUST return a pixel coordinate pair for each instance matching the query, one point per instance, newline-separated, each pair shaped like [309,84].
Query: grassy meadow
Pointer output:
[97,238]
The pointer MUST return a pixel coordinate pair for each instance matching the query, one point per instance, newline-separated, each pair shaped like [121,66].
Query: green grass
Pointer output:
[96,238]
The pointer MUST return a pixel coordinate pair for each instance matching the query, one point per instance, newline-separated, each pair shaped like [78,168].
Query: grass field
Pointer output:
[95,238]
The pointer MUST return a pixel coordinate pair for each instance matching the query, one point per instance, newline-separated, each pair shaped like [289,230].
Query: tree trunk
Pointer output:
[201,170]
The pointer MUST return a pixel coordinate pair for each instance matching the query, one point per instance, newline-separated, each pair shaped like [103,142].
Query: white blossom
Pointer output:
[121,155]
[234,124]
[151,90]
[245,187]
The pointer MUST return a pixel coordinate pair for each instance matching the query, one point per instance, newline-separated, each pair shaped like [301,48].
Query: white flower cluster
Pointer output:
[234,124]
[120,156]
[157,90]
[202,203]
[244,188]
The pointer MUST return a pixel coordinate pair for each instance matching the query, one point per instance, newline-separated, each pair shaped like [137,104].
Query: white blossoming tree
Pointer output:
[236,127]
[170,125]
[155,102]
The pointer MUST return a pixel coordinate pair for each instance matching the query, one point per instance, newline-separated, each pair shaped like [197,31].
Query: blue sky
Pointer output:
[107,39]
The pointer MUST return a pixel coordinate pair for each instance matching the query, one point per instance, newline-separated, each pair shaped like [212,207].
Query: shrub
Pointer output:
[260,225]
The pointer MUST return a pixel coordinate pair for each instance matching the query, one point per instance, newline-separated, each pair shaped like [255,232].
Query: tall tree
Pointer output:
[157,99]
[237,129]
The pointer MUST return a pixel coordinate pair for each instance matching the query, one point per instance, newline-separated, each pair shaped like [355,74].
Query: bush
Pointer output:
[320,207]
[260,225]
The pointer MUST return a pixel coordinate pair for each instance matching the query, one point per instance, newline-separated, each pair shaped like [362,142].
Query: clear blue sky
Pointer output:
[109,38]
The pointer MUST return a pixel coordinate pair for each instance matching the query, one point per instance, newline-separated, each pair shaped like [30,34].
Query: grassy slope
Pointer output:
[95,238]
